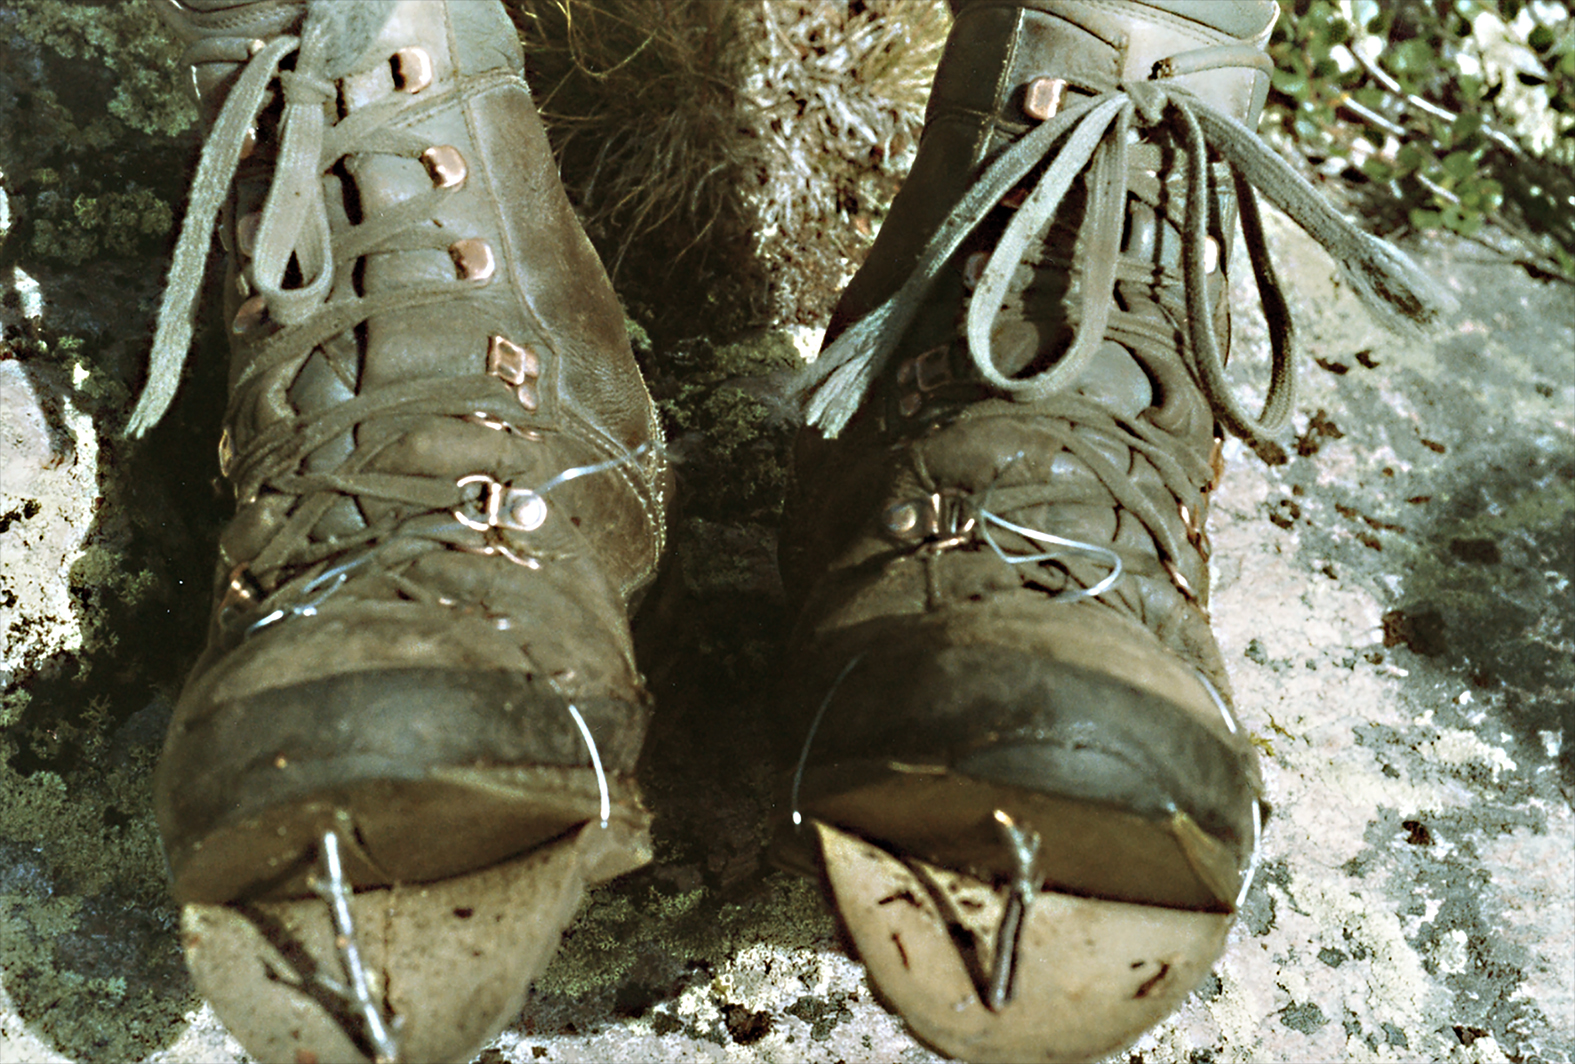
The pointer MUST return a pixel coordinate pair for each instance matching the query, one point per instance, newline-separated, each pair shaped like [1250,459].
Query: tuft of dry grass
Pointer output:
[837,94]
[731,159]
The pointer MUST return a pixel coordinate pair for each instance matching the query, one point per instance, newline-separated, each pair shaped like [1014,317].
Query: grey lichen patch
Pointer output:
[88,952]
[86,227]
[823,1014]
[730,421]
[126,39]
[619,928]
[1306,1018]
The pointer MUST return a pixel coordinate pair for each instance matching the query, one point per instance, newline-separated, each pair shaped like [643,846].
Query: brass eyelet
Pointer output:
[1042,98]
[445,166]
[510,362]
[250,315]
[474,259]
[412,69]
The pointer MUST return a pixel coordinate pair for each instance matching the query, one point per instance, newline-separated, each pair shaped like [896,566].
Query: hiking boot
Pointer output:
[418,710]
[1013,752]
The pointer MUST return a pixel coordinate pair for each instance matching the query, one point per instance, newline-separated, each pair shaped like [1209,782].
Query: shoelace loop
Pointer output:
[1092,135]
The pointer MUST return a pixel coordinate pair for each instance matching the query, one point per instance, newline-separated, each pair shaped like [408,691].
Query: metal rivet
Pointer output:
[412,69]
[474,259]
[902,518]
[445,166]
[250,315]
[526,395]
[510,362]
[973,268]
[255,45]
[1042,99]
[1211,255]
[246,233]
[528,511]
[249,142]
[1179,580]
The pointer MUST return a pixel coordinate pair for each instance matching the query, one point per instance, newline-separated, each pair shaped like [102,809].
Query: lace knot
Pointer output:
[1149,99]
[303,87]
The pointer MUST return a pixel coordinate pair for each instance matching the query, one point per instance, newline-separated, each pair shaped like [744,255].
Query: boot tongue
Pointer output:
[348,31]
[1115,381]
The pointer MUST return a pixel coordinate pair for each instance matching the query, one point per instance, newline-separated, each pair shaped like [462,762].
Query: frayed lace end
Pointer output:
[1395,290]
[833,387]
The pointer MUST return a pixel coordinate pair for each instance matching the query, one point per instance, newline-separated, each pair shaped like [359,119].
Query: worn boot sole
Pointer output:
[425,773]
[1086,848]
[1089,975]
[449,963]
[1134,783]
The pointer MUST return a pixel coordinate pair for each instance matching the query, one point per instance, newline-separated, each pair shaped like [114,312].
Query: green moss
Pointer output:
[88,227]
[128,40]
[13,703]
[596,956]
[766,352]
[87,941]
[726,393]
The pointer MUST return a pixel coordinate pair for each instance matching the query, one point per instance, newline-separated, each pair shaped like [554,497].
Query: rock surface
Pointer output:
[1393,596]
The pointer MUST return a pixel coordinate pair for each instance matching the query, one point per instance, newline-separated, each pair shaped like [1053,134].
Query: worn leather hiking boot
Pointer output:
[408,745]
[1012,748]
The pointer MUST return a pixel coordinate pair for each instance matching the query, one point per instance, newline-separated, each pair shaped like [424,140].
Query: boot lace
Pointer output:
[1096,132]
[318,301]
[1093,135]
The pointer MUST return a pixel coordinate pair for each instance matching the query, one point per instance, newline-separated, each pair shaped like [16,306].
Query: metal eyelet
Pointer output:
[246,233]
[473,259]
[1180,580]
[250,315]
[241,590]
[1042,98]
[921,375]
[902,518]
[412,69]
[939,521]
[512,363]
[445,166]
[1217,464]
[973,269]
[502,506]
[517,366]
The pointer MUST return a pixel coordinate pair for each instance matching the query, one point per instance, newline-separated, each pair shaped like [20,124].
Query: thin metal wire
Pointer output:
[814,726]
[596,762]
[1252,862]
[340,574]
[1024,887]
[1063,545]
[336,892]
[1219,701]
[574,472]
